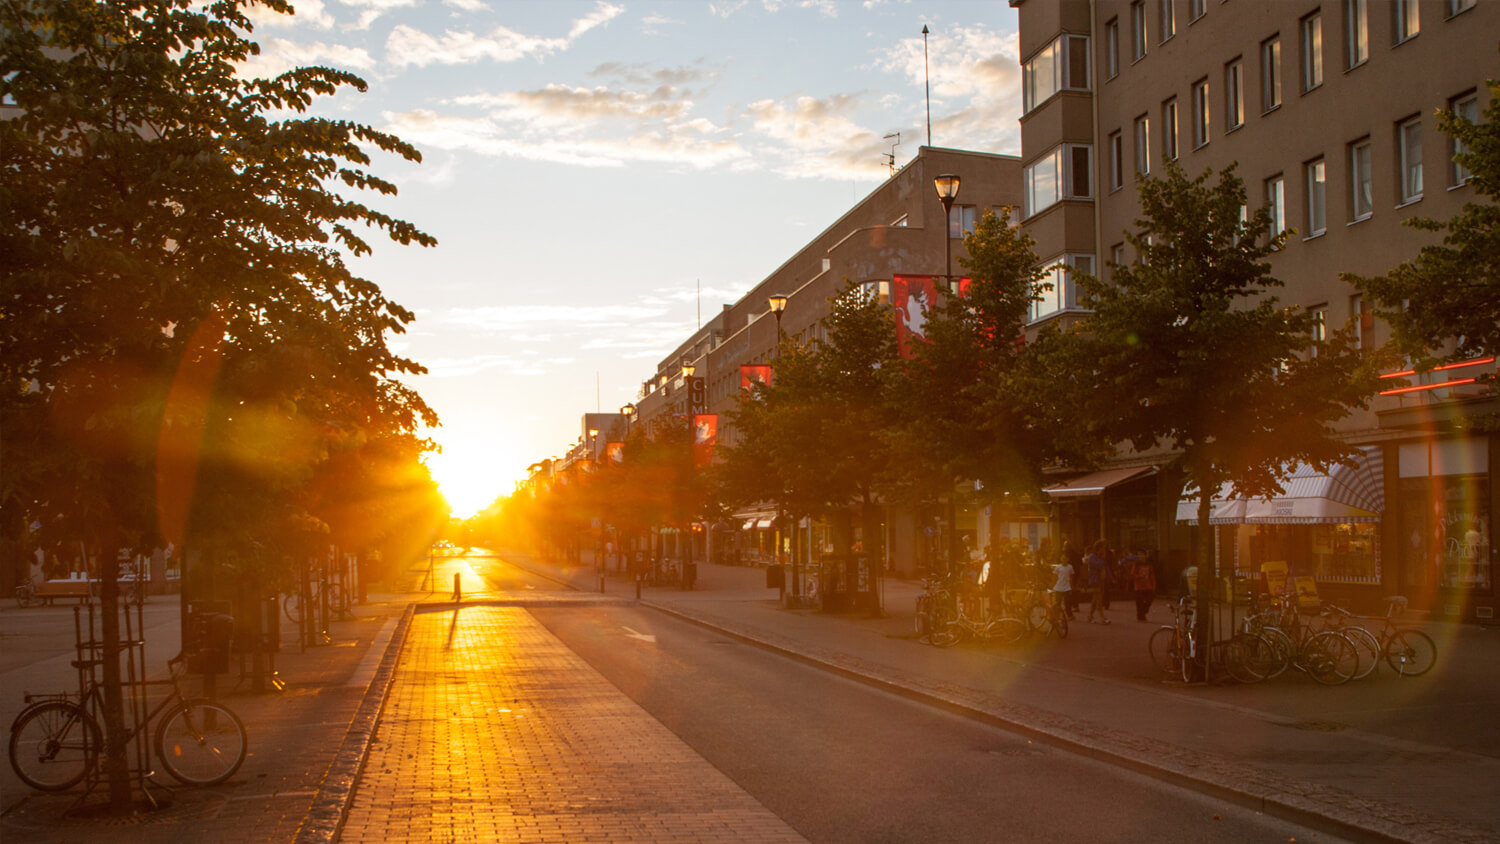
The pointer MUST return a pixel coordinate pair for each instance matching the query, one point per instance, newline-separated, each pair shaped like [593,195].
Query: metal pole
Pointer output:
[927,85]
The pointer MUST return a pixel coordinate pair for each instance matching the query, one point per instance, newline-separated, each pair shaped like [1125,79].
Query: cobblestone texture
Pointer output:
[494,731]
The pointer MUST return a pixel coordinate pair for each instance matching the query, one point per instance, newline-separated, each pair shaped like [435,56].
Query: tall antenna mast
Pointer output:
[891,156]
[927,83]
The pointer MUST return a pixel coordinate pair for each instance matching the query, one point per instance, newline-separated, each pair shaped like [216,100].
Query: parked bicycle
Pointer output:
[1407,650]
[56,740]
[338,600]
[26,595]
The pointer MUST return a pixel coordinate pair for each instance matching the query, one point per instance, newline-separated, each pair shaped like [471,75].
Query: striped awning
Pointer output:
[1093,485]
[1342,495]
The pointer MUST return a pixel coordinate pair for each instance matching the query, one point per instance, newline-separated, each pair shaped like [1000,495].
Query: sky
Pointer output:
[601,176]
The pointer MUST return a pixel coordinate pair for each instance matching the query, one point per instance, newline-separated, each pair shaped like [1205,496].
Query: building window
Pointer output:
[1064,173]
[1169,130]
[1319,327]
[961,220]
[1361,200]
[1276,203]
[1409,143]
[1467,107]
[1362,321]
[1138,30]
[1456,6]
[1408,24]
[1196,9]
[1112,47]
[1116,161]
[1356,32]
[1059,290]
[1317,198]
[1312,52]
[1270,73]
[1143,146]
[1061,65]
[1200,113]
[1234,95]
[1168,19]
[1117,255]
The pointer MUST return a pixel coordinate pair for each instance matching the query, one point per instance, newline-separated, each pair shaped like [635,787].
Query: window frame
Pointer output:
[1166,15]
[1112,48]
[1139,37]
[1063,49]
[1201,113]
[1234,94]
[1315,208]
[1270,74]
[1409,161]
[1356,33]
[1196,10]
[1116,160]
[1458,7]
[1064,295]
[1170,149]
[1064,154]
[1361,175]
[1141,135]
[1458,175]
[1275,191]
[1407,22]
[1311,42]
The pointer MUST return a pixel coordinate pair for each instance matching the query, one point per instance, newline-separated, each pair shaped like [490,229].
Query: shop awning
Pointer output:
[1093,485]
[1343,494]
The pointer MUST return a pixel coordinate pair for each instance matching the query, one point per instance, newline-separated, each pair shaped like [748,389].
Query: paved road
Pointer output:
[842,762]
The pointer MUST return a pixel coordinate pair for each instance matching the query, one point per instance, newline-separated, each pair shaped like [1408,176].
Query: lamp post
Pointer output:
[691,406]
[777,304]
[947,191]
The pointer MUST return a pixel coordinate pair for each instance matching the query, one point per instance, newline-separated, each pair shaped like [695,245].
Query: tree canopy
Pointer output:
[1444,305]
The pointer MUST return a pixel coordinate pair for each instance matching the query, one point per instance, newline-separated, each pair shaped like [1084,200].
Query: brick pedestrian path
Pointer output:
[494,731]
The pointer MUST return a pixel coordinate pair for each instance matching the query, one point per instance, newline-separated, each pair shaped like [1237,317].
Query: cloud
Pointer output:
[373,9]
[562,105]
[407,46]
[977,67]
[818,137]
[603,13]
[644,75]
[467,5]
[652,24]
[278,55]
[307,13]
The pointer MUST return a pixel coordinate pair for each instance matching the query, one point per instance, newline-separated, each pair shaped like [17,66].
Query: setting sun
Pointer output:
[471,475]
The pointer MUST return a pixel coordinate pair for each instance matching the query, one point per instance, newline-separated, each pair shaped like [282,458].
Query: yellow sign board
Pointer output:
[1307,591]
[1274,572]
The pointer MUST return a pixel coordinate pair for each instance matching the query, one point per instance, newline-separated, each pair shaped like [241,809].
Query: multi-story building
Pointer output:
[898,230]
[1327,107]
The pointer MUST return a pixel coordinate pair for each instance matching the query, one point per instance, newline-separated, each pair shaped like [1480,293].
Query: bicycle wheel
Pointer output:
[292,605]
[1281,651]
[1163,648]
[338,601]
[1039,618]
[53,745]
[1411,652]
[945,628]
[1060,623]
[1366,645]
[1248,657]
[1329,658]
[200,743]
[1007,631]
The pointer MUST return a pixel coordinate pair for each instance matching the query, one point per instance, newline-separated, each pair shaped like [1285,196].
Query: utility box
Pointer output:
[776,577]
[212,634]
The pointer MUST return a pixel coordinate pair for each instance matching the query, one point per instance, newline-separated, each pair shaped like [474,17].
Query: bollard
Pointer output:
[637,587]
[601,584]
[458,591]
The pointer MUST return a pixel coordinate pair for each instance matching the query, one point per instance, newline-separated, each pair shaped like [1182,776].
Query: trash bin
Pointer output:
[213,633]
[776,577]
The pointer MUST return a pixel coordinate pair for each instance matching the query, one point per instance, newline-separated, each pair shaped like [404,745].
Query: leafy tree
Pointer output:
[1187,350]
[181,335]
[1450,293]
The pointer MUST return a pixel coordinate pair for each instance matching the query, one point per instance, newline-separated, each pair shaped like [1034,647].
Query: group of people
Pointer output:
[1101,574]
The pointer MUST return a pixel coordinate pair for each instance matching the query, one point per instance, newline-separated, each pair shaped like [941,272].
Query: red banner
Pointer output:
[913,297]
[750,373]
[705,433]
[614,452]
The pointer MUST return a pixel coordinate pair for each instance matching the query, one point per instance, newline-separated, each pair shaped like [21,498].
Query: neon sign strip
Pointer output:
[1405,372]
[1426,387]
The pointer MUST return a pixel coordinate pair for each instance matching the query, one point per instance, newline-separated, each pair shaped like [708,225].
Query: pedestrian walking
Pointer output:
[1097,564]
[1143,577]
[1062,585]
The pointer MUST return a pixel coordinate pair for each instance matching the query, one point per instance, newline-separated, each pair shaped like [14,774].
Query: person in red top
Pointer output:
[1143,576]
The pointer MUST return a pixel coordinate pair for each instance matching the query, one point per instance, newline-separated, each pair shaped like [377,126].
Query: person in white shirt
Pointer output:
[1064,584]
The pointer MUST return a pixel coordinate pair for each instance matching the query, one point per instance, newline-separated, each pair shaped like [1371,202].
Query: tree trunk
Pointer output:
[116,737]
[1206,578]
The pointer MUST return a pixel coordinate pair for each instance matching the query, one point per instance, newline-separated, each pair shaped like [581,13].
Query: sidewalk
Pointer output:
[1386,758]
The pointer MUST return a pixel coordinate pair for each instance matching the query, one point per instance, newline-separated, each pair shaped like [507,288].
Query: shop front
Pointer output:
[1446,557]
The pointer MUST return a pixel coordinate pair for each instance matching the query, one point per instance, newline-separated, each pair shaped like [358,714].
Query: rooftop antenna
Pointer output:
[891,156]
[927,84]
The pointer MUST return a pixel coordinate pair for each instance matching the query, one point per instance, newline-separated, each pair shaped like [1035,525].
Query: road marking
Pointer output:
[644,637]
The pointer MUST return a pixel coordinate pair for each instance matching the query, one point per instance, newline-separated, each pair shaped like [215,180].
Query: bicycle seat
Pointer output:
[1396,600]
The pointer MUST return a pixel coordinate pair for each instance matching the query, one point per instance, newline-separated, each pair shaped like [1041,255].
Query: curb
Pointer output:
[330,808]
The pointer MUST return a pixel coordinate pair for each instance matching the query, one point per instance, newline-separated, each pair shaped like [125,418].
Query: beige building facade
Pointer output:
[1327,109]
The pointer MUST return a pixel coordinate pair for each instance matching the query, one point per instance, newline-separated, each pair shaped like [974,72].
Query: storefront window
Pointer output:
[1331,553]
[1445,528]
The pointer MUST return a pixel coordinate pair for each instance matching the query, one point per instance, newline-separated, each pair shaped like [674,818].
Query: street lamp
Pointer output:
[777,304]
[690,407]
[947,191]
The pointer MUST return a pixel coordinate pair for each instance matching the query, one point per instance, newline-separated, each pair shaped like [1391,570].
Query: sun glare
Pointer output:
[469,478]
